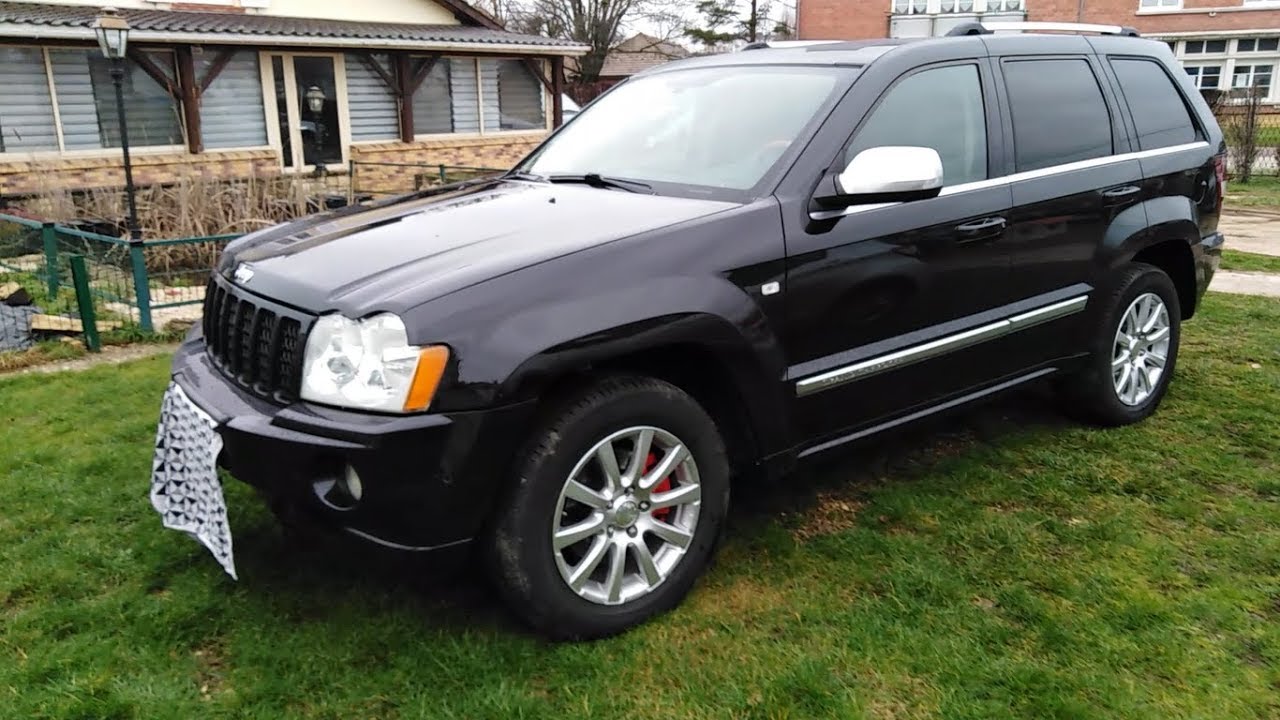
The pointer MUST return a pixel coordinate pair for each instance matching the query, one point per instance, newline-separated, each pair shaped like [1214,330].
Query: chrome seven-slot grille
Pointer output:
[257,346]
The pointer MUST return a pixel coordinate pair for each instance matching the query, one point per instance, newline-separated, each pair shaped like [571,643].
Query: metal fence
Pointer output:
[64,281]
[58,281]
[1251,129]
[375,179]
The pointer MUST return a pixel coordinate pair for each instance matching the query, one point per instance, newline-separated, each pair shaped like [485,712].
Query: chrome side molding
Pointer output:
[941,346]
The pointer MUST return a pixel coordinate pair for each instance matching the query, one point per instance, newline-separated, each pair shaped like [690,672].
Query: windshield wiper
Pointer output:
[525,175]
[599,181]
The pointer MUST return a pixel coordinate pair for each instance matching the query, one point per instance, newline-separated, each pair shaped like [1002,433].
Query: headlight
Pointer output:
[370,365]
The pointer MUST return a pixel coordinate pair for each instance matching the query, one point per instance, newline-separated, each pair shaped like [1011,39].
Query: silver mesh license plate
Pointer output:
[184,475]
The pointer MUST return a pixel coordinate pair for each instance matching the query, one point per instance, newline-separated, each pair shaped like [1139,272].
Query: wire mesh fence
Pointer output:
[1251,129]
[59,282]
[377,179]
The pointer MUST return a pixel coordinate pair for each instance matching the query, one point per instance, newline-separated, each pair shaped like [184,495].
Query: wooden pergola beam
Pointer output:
[557,91]
[215,68]
[189,98]
[162,78]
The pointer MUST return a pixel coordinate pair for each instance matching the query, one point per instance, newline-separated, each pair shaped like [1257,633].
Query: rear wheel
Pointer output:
[1133,352]
[618,504]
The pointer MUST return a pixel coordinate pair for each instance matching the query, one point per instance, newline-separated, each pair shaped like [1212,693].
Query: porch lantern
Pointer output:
[113,34]
[113,37]
[315,99]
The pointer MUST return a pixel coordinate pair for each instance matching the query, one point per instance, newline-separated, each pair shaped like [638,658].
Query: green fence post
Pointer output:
[88,320]
[444,176]
[141,284]
[49,237]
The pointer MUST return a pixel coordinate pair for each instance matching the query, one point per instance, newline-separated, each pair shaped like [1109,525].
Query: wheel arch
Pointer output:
[1159,232]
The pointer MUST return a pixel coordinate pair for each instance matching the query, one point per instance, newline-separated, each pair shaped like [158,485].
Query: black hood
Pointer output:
[396,256]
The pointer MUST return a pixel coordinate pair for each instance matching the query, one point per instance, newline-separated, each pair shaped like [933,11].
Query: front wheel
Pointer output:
[1134,350]
[618,503]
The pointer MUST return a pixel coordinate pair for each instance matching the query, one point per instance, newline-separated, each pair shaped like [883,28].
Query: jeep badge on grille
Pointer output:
[243,273]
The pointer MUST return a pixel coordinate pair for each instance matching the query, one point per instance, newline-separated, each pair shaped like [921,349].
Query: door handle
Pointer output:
[984,229]
[1120,194]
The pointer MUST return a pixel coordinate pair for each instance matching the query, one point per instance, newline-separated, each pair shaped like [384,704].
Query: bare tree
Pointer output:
[598,24]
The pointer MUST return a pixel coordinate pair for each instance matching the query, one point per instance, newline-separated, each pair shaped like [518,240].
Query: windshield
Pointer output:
[714,127]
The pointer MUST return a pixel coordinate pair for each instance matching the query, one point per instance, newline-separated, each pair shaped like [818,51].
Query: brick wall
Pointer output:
[32,177]
[858,19]
[79,173]
[489,152]
[1125,12]
[842,19]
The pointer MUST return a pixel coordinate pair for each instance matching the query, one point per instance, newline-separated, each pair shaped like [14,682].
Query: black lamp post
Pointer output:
[315,102]
[113,37]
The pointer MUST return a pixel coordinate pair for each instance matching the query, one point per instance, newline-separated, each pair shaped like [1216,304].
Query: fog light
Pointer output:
[354,487]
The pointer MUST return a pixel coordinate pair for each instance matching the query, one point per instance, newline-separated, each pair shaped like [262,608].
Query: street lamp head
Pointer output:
[315,99]
[113,33]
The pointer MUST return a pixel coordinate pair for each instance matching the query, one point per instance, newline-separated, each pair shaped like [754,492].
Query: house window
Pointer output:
[26,108]
[1005,5]
[433,102]
[1206,77]
[87,103]
[371,103]
[910,7]
[465,89]
[1248,45]
[512,96]
[1198,47]
[1159,4]
[1258,76]
[231,110]
[957,6]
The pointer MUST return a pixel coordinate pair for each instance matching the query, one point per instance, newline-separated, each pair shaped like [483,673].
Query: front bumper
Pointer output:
[429,480]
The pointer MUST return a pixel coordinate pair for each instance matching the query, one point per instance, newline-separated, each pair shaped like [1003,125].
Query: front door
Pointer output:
[309,93]
[880,297]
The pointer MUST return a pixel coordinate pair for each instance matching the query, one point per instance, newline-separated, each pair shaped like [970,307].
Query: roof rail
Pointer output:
[763,44]
[978,28]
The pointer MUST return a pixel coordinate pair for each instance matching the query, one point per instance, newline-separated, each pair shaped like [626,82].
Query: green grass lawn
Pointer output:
[1250,262]
[1260,191]
[1002,564]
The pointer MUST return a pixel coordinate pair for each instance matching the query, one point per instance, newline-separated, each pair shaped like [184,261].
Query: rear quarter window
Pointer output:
[1059,114]
[1160,113]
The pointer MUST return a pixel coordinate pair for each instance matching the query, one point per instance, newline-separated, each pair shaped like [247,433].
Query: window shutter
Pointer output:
[491,109]
[374,113]
[432,107]
[519,97]
[76,106]
[466,103]
[26,109]
[87,103]
[231,111]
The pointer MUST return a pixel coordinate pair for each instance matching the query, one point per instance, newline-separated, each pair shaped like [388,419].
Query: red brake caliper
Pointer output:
[661,487]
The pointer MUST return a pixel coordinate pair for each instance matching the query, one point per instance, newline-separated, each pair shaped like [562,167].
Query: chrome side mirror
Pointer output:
[891,174]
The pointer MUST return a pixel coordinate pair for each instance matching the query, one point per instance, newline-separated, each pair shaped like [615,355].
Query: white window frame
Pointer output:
[293,107]
[62,152]
[1159,6]
[546,107]
[1253,71]
[943,7]
[1196,77]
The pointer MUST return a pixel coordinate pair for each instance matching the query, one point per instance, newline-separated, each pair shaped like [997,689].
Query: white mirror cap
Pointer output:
[892,169]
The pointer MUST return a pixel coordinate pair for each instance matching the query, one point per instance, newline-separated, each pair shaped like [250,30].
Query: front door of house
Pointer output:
[310,109]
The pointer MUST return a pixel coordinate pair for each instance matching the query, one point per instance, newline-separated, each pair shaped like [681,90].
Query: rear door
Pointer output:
[1074,177]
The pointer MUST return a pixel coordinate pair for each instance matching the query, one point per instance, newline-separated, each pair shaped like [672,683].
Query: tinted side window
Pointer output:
[941,109]
[1059,115]
[1159,113]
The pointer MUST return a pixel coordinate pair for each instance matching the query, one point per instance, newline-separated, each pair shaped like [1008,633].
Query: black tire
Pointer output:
[1090,395]
[522,559]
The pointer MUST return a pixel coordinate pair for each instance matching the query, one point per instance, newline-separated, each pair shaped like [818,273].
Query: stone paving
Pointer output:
[1252,231]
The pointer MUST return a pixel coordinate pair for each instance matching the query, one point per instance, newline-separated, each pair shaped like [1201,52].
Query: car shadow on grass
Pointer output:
[299,568]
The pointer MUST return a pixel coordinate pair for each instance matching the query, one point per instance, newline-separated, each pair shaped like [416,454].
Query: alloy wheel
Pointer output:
[626,515]
[1141,349]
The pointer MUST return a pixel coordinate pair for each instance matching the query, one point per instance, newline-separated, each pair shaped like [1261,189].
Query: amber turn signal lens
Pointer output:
[431,365]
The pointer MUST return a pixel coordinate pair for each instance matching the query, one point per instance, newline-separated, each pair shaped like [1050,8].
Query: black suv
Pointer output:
[721,267]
